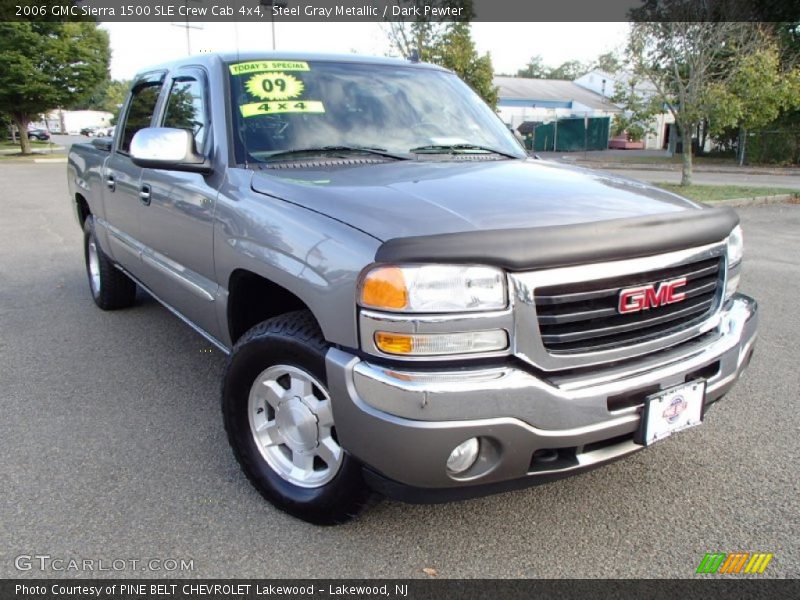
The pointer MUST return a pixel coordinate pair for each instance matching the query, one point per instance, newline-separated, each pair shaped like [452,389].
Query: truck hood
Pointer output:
[422,197]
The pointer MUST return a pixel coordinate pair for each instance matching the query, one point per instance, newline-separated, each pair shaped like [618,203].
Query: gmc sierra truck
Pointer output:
[411,305]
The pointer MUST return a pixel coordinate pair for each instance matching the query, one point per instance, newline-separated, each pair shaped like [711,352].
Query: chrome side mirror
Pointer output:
[166,148]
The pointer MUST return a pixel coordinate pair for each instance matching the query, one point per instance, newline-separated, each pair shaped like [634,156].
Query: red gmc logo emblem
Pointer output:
[636,299]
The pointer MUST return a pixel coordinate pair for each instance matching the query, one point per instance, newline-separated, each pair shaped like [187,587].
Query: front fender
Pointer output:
[316,258]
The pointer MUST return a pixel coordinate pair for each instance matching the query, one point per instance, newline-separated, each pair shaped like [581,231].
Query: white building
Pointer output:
[75,120]
[606,85]
[521,99]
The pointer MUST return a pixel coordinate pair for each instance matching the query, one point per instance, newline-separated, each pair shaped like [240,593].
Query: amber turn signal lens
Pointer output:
[393,343]
[435,344]
[384,288]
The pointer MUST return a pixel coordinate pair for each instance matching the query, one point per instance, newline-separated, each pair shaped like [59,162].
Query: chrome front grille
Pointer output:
[583,317]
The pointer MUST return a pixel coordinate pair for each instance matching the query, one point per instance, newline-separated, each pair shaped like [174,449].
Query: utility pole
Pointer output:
[555,134]
[269,4]
[187,27]
[585,133]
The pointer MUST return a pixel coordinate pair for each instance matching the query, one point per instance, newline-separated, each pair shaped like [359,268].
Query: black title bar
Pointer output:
[398,10]
[434,589]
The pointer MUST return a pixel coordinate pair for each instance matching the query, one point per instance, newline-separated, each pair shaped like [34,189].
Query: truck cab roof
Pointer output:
[213,60]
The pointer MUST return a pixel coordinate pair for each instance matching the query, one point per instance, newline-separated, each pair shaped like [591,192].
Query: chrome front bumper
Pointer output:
[403,424]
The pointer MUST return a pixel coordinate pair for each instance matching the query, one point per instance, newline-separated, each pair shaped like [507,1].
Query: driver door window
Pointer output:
[186,109]
[140,112]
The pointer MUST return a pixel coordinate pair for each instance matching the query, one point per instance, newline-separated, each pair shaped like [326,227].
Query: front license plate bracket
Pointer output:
[670,411]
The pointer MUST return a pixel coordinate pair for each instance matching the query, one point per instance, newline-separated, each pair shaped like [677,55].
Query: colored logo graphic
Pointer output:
[274,86]
[675,408]
[734,563]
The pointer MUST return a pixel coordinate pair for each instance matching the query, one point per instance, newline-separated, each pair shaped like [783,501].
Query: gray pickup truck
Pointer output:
[411,304]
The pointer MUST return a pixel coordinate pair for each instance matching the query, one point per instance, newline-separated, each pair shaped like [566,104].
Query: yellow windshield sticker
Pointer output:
[276,107]
[259,66]
[274,86]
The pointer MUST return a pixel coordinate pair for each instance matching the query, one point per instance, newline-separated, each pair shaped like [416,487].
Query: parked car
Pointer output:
[38,134]
[409,303]
[89,131]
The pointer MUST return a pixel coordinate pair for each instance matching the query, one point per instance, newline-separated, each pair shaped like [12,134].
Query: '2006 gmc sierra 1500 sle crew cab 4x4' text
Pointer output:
[411,304]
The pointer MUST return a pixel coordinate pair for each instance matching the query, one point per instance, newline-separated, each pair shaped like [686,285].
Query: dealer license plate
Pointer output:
[672,410]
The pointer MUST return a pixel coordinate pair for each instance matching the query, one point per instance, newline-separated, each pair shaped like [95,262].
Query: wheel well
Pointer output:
[253,299]
[83,208]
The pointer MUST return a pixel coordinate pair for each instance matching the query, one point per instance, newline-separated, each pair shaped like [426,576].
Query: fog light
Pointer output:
[463,456]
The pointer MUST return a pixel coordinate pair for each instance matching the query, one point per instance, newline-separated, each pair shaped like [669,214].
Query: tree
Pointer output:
[787,36]
[571,69]
[638,111]
[108,96]
[755,94]
[5,127]
[48,65]
[535,69]
[417,38]
[683,59]
[608,62]
[457,52]
[421,35]
[449,44]
[115,97]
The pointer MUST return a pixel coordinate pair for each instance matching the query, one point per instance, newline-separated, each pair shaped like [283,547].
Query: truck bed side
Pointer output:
[85,165]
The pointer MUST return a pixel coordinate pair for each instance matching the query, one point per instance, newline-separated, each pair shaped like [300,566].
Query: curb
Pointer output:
[759,200]
[671,169]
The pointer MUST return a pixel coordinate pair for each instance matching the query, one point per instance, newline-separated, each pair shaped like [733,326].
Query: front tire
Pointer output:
[278,416]
[111,288]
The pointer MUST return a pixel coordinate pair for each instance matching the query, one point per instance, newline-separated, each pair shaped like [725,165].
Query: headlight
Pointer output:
[433,289]
[735,246]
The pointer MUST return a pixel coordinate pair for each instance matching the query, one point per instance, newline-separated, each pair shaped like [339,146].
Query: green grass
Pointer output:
[711,193]
[7,144]
[11,150]
[8,156]
[677,159]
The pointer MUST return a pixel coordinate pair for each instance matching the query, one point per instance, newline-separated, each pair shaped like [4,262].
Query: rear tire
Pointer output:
[279,420]
[111,289]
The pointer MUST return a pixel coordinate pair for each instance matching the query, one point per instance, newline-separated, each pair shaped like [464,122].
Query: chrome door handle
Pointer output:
[111,182]
[144,194]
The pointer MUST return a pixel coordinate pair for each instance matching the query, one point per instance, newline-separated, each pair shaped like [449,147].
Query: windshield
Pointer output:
[283,106]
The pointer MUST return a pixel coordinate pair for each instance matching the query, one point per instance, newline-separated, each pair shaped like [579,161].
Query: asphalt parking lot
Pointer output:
[112,445]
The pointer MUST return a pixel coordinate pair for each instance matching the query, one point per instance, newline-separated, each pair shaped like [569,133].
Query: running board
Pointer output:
[219,345]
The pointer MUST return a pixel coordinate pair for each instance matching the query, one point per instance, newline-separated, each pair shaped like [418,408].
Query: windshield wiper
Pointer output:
[457,149]
[337,149]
